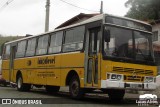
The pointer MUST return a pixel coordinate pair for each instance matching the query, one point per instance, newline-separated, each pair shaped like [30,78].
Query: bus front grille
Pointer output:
[133,71]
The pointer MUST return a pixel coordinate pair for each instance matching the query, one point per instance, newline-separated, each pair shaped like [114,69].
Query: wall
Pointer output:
[0,64]
[156,27]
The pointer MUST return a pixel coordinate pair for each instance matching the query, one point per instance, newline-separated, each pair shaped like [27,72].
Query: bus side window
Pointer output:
[56,42]
[31,47]
[74,39]
[21,49]
[6,52]
[42,45]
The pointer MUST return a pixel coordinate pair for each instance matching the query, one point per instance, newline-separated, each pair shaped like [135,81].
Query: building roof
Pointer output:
[155,22]
[76,19]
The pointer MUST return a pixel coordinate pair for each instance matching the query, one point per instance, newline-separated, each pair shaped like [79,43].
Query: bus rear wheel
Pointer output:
[52,89]
[74,88]
[116,95]
[21,86]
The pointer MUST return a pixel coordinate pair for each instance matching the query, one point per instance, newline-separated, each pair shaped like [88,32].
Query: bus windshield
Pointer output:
[128,44]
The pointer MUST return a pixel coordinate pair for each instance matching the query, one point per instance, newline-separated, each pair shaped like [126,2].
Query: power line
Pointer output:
[6,4]
[9,1]
[78,6]
[1,3]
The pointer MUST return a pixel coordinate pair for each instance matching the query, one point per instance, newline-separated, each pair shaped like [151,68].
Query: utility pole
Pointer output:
[101,10]
[47,15]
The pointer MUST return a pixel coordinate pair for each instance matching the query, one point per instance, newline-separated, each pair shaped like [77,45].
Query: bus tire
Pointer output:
[21,86]
[116,95]
[74,88]
[52,89]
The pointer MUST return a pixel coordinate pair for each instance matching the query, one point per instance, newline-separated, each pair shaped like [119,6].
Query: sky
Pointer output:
[23,17]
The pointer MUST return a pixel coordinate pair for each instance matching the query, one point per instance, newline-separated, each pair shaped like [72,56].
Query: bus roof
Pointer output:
[92,19]
[127,18]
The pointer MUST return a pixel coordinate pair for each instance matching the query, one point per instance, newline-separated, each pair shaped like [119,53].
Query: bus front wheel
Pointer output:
[74,88]
[21,86]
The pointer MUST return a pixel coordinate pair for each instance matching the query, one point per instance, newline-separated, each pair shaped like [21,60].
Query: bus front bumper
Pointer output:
[107,84]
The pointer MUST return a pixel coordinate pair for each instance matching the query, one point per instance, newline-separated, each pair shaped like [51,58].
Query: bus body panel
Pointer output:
[49,69]
[72,62]
[5,69]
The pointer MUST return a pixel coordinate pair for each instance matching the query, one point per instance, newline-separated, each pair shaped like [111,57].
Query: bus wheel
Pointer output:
[116,95]
[52,89]
[74,88]
[21,86]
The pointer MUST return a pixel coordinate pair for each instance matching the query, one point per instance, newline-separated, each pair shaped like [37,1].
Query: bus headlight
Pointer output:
[115,77]
[149,79]
[119,77]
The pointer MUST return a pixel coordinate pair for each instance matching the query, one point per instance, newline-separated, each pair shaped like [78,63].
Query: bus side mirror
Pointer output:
[1,49]
[107,35]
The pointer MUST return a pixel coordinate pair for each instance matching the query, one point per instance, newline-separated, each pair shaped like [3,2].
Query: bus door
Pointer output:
[92,61]
[11,64]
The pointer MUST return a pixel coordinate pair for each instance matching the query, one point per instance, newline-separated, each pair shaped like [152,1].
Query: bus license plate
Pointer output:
[135,85]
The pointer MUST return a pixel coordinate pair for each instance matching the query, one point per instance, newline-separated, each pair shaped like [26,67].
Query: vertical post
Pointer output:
[47,16]
[101,10]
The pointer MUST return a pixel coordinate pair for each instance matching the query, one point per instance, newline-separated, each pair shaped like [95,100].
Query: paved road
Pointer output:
[62,99]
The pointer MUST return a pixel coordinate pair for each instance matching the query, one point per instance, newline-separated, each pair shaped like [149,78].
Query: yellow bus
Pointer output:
[105,52]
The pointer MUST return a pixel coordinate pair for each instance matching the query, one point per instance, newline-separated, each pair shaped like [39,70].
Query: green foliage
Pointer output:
[4,39]
[146,10]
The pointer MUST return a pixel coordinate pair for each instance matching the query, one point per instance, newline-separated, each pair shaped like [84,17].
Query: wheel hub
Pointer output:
[19,82]
[75,88]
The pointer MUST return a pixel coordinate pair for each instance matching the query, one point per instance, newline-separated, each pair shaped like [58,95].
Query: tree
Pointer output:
[146,10]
